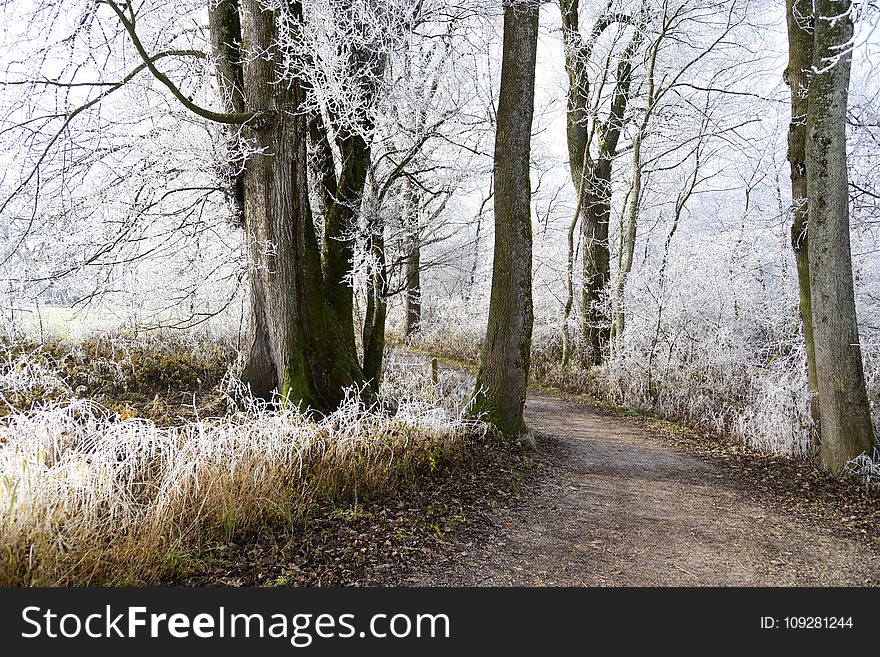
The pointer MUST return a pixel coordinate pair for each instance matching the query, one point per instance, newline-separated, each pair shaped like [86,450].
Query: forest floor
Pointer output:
[608,498]
[628,501]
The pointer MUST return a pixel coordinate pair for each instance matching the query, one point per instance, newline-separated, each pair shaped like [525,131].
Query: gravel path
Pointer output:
[614,504]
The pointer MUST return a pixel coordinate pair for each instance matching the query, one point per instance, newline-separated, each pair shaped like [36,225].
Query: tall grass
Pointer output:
[88,497]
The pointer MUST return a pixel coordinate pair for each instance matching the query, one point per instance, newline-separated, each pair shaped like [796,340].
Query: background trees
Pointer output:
[591,166]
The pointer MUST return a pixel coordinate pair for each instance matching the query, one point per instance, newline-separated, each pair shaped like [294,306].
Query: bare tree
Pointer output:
[591,168]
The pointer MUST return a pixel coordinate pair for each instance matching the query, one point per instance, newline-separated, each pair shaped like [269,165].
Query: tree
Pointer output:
[844,412]
[424,148]
[671,95]
[117,180]
[298,342]
[504,365]
[799,14]
[591,168]
[412,274]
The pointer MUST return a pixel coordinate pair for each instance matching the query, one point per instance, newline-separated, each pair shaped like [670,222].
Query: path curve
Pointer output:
[617,505]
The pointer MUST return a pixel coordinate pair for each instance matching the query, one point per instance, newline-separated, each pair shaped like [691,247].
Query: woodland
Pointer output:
[530,292]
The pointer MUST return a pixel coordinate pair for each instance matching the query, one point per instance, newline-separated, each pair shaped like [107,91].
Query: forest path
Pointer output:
[615,504]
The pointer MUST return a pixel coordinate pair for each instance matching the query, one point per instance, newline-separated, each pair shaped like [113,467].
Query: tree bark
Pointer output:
[302,345]
[504,366]
[225,26]
[797,76]
[846,429]
[225,29]
[596,263]
[412,291]
[377,310]
[343,198]
[340,215]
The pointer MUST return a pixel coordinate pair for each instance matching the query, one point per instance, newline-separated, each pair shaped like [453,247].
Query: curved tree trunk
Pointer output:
[846,430]
[504,366]
[800,60]
[592,175]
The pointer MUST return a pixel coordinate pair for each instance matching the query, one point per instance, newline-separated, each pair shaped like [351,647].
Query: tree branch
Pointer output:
[218,117]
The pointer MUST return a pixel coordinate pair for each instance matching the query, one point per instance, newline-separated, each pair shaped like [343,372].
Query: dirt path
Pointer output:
[617,505]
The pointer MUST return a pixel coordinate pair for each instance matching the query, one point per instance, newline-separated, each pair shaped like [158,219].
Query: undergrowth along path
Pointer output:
[617,504]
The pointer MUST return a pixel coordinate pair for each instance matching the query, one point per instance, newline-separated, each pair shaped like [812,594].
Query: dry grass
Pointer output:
[90,496]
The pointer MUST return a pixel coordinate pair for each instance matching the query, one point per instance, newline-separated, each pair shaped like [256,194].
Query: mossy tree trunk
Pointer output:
[299,346]
[797,76]
[504,366]
[343,203]
[844,411]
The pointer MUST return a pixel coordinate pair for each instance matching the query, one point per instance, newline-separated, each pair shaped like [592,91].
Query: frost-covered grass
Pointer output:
[89,496]
[112,362]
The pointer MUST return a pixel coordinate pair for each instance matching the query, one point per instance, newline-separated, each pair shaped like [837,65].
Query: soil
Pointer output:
[620,503]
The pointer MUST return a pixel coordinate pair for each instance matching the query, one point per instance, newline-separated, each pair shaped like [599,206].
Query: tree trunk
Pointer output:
[504,366]
[225,29]
[846,430]
[377,311]
[225,26]
[569,287]
[592,175]
[632,206]
[339,225]
[412,291]
[800,49]
[343,197]
[595,221]
[298,345]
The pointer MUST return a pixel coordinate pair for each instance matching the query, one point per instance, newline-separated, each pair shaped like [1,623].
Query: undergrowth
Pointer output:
[90,495]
